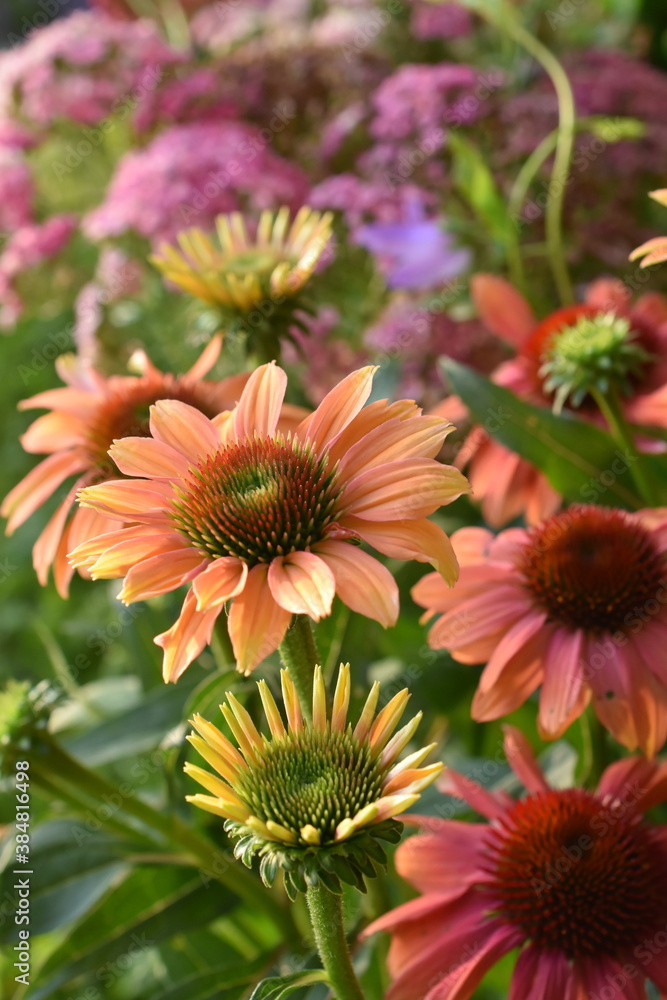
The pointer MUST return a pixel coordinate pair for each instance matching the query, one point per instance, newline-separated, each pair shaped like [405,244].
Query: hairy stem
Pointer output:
[326,917]
[298,652]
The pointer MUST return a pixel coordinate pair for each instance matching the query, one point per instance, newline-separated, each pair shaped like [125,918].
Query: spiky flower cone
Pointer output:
[313,799]
[240,272]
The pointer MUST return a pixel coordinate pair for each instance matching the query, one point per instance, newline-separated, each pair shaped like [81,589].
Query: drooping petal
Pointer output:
[46,546]
[419,539]
[337,409]
[142,456]
[258,410]
[40,484]
[475,963]
[129,499]
[409,488]
[186,638]
[125,549]
[521,759]
[638,783]
[160,574]
[257,623]
[54,432]
[184,428]
[492,805]
[362,583]
[221,580]
[561,682]
[302,583]
[541,975]
[502,309]
[520,676]
[447,861]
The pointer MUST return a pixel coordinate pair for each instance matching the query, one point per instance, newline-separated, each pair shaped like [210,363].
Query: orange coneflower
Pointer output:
[578,605]
[273,520]
[86,415]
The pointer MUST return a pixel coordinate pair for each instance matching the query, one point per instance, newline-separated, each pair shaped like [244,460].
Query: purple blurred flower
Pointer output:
[28,246]
[413,253]
[188,175]
[360,200]
[441,20]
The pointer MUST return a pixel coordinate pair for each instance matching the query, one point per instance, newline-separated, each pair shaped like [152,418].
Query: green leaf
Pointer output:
[281,986]
[476,183]
[69,877]
[216,983]
[578,459]
[136,731]
[150,906]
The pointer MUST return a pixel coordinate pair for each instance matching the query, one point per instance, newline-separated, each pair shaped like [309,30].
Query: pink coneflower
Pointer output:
[84,418]
[273,520]
[577,604]
[506,484]
[575,879]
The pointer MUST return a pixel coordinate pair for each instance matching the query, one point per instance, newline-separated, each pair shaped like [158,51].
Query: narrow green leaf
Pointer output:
[281,986]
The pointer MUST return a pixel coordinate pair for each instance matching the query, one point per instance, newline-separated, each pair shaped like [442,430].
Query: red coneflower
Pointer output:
[575,879]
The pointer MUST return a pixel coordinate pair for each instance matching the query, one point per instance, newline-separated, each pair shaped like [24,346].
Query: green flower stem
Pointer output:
[64,768]
[326,917]
[599,750]
[298,652]
[221,645]
[503,17]
[609,406]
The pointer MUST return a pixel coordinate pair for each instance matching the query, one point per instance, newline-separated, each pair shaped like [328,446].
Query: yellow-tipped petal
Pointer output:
[341,700]
[365,722]
[392,805]
[319,701]
[260,827]
[280,832]
[414,760]
[365,816]
[387,720]
[228,771]
[209,781]
[271,711]
[246,745]
[291,700]
[218,807]
[245,720]
[413,780]
[400,740]
[310,834]
[217,740]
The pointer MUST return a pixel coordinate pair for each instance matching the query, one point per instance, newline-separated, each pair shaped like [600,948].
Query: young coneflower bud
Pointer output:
[312,799]
[240,272]
[598,352]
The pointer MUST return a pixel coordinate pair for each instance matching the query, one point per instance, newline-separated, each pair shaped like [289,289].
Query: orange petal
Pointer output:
[337,408]
[224,578]
[257,624]
[89,552]
[374,415]
[142,456]
[302,583]
[420,539]
[160,574]
[502,309]
[78,402]
[132,548]
[129,499]
[46,547]
[40,483]
[186,638]
[206,360]
[421,437]
[54,432]
[258,409]
[410,488]
[184,428]
[362,583]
